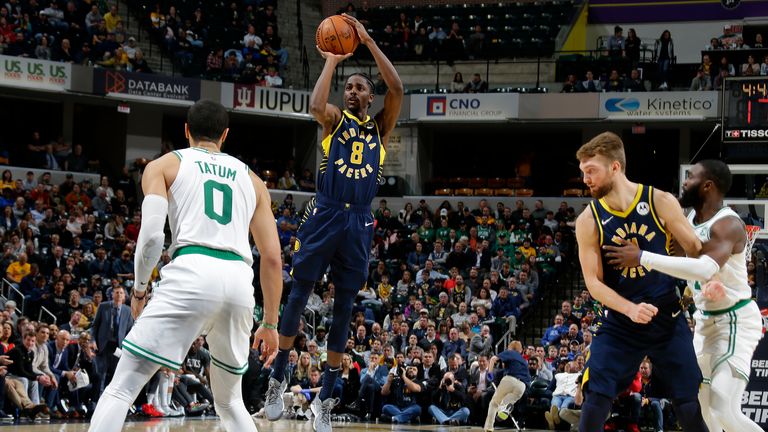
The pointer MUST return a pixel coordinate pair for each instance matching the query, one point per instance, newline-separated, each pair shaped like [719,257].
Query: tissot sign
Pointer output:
[35,74]
[658,105]
[452,107]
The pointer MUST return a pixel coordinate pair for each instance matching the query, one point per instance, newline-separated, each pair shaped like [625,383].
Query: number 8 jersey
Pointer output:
[211,202]
[353,159]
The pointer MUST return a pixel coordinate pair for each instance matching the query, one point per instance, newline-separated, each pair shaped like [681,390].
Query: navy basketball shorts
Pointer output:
[338,235]
[619,346]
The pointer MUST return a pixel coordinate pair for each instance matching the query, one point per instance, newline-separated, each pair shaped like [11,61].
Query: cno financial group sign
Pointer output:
[682,105]
[465,106]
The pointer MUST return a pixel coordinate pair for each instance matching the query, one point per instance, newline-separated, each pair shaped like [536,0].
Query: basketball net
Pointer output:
[752,231]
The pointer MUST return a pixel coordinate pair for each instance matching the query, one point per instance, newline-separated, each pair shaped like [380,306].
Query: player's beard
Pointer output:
[691,197]
[603,190]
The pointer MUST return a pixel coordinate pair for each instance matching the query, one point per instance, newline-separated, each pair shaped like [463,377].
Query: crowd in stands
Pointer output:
[238,44]
[73,31]
[463,32]
[623,71]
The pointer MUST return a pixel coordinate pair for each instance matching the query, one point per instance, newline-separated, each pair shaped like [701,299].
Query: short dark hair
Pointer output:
[207,120]
[718,172]
[367,79]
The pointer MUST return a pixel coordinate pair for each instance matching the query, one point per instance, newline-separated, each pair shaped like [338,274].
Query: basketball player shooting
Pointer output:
[338,224]
[728,322]
[642,310]
[211,200]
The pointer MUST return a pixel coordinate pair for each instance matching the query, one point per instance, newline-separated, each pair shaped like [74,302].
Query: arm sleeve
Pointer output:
[149,246]
[701,269]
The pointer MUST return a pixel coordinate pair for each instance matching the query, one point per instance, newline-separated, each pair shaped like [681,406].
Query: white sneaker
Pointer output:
[322,413]
[274,405]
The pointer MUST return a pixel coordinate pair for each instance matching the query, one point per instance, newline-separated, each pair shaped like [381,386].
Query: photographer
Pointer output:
[449,402]
[402,386]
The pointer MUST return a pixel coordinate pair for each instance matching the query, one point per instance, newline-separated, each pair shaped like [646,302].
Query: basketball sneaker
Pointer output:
[504,411]
[322,413]
[274,405]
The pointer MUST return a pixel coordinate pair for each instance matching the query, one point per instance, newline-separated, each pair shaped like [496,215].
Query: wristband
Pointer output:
[269,326]
[139,298]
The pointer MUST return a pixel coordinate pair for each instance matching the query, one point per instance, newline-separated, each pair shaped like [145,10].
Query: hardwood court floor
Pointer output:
[213,425]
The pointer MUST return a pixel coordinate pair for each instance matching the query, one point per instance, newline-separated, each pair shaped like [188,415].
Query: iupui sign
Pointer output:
[36,74]
[465,106]
[140,86]
[659,105]
[269,100]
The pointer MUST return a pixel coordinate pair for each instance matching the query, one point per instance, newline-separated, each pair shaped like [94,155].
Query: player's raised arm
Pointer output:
[387,117]
[264,233]
[326,114]
[592,269]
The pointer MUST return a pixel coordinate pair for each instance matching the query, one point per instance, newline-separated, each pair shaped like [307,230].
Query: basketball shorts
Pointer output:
[619,346]
[727,337]
[198,295]
[338,235]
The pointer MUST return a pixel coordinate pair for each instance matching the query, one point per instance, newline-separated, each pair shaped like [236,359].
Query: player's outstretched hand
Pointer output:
[642,313]
[713,290]
[338,58]
[270,339]
[626,255]
[362,33]
[137,305]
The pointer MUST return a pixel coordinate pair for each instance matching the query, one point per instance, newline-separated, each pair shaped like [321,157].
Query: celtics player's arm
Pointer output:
[690,268]
[264,233]
[726,237]
[154,210]
[587,237]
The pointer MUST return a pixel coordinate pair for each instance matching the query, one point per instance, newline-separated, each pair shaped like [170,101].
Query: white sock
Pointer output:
[162,389]
[228,401]
[130,377]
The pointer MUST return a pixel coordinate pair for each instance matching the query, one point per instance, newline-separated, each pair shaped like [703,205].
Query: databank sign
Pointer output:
[680,105]
[130,85]
[465,106]
[35,74]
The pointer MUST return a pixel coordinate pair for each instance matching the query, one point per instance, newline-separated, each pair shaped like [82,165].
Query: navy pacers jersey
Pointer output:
[353,159]
[637,224]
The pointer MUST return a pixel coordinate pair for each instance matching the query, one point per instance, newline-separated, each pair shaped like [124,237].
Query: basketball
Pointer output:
[335,36]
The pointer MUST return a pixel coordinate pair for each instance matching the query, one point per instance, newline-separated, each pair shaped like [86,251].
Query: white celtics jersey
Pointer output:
[733,274]
[211,202]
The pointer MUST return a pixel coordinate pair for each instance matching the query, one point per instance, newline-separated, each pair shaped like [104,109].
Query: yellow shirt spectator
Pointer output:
[17,270]
[111,19]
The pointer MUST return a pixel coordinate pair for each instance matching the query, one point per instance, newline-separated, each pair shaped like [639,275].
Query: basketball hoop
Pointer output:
[752,231]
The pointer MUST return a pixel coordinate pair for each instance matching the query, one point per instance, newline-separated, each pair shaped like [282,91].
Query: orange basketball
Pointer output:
[334,35]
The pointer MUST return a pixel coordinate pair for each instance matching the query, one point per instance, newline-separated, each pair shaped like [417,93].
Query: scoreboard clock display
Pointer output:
[745,110]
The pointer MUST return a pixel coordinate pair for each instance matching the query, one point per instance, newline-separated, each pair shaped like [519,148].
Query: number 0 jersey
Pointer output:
[211,202]
[353,159]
